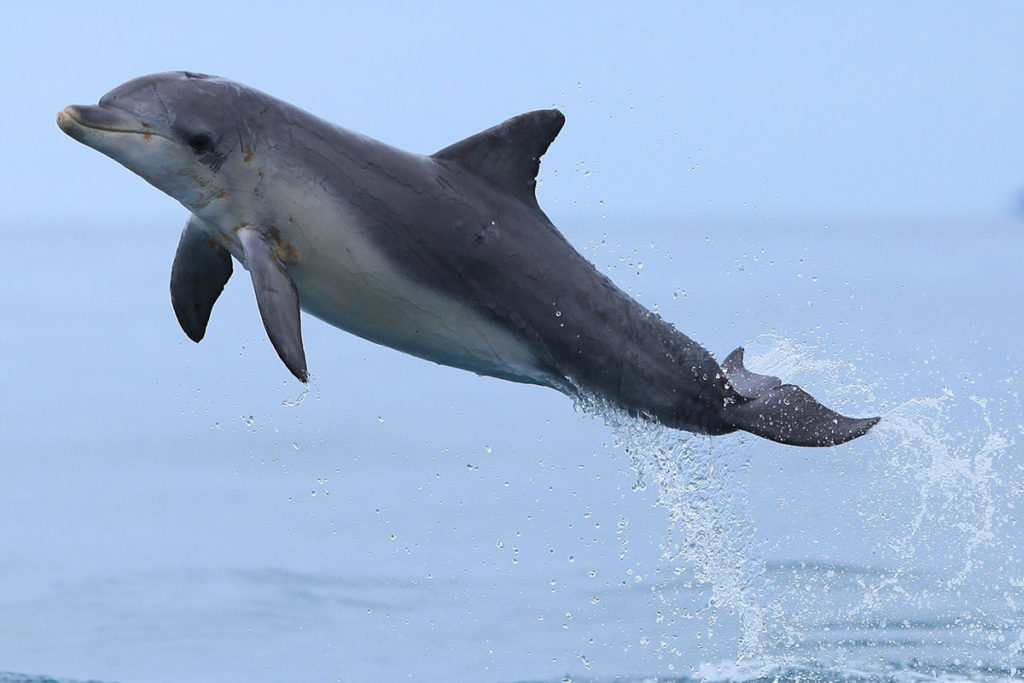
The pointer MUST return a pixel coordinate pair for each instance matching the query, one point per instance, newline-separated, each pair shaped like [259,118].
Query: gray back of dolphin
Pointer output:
[460,230]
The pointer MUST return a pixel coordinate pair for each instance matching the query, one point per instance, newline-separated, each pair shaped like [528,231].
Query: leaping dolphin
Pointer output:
[447,257]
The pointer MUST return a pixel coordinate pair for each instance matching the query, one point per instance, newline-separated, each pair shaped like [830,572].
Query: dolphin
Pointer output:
[447,257]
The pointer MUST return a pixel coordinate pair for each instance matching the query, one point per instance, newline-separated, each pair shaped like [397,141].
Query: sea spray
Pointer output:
[701,484]
[711,539]
[949,474]
[937,504]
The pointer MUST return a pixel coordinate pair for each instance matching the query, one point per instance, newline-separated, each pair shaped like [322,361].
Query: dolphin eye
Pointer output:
[201,142]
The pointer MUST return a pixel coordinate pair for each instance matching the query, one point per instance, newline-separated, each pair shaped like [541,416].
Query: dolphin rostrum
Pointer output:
[447,257]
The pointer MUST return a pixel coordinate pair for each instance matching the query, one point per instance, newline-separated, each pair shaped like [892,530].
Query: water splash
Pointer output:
[935,457]
[711,535]
[950,476]
[702,483]
[939,453]
[936,508]
[306,388]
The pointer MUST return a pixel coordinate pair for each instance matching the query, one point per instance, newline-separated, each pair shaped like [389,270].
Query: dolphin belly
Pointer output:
[344,279]
[419,322]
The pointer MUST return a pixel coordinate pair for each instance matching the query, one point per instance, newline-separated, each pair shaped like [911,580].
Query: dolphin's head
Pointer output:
[189,134]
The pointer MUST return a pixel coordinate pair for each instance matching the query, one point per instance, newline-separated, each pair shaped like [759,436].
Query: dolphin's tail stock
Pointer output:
[785,412]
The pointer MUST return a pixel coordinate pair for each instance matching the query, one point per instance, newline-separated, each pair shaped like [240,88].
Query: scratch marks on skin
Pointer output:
[446,187]
[244,133]
[160,99]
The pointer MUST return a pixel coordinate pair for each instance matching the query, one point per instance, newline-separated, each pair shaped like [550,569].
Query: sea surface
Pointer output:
[176,512]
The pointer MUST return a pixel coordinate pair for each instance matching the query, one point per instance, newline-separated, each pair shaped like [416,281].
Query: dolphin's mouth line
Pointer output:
[71,113]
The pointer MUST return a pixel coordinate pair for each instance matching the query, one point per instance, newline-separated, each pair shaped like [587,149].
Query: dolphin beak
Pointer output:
[66,120]
[77,119]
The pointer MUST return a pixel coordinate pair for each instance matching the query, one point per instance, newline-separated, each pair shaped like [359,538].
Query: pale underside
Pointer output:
[344,279]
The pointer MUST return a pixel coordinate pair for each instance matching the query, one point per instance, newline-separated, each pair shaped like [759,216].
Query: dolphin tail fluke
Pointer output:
[784,412]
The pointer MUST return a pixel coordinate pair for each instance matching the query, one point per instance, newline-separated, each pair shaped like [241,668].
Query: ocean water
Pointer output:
[174,512]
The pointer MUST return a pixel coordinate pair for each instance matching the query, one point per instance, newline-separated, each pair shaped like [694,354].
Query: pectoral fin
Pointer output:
[200,270]
[278,300]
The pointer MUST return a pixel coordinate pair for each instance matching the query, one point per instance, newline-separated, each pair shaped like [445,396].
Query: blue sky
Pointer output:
[733,109]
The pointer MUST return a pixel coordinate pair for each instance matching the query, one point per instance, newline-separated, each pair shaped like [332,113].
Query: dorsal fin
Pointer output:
[509,154]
